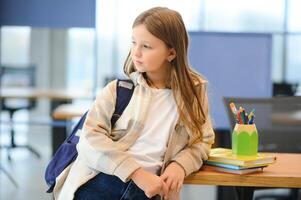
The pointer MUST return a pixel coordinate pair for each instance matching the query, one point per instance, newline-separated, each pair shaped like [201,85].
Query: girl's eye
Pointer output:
[146,46]
[133,42]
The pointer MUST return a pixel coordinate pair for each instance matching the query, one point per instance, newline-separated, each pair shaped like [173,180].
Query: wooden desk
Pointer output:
[68,111]
[284,173]
[52,94]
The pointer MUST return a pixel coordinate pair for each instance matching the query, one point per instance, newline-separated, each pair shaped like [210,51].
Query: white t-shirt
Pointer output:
[150,147]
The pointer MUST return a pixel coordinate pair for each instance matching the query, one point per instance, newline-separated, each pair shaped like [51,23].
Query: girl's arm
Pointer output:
[98,150]
[188,160]
[191,158]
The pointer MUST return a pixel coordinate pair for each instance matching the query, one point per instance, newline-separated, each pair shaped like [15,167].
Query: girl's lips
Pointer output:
[137,62]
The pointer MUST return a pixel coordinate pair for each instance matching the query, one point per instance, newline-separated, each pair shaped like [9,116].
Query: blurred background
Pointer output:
[55,55]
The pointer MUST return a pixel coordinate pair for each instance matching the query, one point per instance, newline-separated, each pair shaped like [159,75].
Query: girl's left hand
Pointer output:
[173,176]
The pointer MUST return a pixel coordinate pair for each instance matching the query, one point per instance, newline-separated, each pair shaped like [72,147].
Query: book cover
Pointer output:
[231,166]
[235,171]
[226,156]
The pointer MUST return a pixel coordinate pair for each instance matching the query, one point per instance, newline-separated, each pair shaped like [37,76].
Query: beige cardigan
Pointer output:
[102,148]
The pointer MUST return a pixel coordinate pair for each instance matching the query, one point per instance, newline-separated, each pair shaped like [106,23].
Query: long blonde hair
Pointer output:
[187,85]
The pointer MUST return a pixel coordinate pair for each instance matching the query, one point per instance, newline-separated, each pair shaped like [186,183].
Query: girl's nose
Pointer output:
[136,51]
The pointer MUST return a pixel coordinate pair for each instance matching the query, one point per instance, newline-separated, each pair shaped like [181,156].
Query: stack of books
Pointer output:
[223,160]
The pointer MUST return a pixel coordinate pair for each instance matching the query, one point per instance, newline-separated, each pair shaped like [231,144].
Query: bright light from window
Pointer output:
[81,58]
[294,18]
[15,47]
[237,15]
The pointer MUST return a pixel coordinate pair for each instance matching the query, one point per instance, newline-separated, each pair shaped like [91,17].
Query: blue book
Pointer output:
[235,167]
[235,171]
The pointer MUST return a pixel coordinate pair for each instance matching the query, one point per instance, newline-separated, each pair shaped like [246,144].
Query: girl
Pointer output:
[163,135]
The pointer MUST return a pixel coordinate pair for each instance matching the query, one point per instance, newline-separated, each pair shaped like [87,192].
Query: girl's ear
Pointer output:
[172,54]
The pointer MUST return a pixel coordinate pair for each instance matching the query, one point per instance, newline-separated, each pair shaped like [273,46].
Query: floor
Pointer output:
[24,167]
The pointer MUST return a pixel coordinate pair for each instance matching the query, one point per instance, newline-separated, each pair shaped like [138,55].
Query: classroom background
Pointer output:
[67,50]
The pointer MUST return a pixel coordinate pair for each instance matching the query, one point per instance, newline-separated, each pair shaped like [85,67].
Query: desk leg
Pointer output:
[244,193]
[59,134]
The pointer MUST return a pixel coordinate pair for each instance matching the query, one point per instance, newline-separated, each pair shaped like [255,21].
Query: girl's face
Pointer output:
[149,53]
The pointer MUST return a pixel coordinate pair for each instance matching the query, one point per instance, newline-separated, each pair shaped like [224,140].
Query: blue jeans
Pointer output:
[108,187]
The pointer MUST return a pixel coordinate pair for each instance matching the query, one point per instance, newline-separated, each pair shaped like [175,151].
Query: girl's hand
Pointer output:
[173,176]
[151,184]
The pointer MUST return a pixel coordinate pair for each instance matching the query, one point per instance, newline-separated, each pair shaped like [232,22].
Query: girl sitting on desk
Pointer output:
[163,135]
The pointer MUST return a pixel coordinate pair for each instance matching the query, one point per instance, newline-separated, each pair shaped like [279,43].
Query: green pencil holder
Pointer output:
[245,140]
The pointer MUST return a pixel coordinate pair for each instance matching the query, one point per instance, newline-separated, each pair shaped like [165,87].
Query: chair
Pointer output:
[17,77]
[284,89]
[278,121]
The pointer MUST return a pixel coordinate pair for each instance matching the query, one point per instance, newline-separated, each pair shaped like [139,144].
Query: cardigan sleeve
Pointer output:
[95,147]
[191,158]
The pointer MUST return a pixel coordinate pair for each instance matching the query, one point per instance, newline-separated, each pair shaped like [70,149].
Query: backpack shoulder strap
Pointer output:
[124,91]
[78,126]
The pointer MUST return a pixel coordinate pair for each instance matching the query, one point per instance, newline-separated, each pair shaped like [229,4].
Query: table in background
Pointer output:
[56,97]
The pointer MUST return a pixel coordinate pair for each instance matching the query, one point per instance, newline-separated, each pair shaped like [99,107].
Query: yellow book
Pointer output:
[226,156]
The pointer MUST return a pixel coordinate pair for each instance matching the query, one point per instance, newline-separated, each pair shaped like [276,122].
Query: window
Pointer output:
[277,58]
[293,65]
[247,16]
[294,15]
[15,52]
[294,59]
[81,58]
[15,45]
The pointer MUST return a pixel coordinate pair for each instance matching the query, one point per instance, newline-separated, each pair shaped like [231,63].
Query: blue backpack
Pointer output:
[67,152]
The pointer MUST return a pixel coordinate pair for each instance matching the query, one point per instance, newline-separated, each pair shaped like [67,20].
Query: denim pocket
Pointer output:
[133,192]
